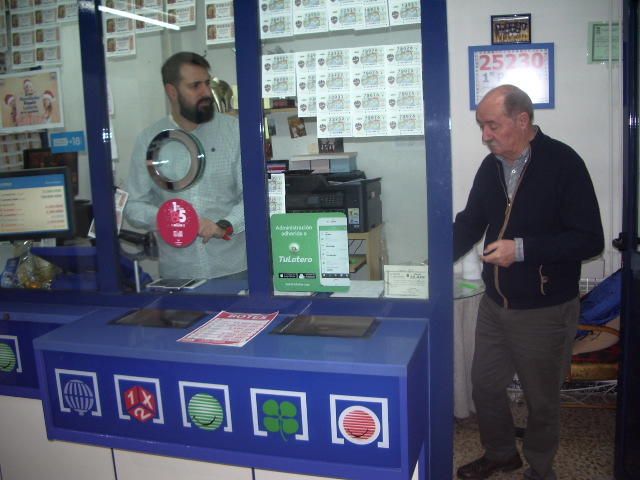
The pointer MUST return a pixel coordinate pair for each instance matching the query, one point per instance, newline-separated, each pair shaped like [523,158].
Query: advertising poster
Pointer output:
[310,252]
[31,101]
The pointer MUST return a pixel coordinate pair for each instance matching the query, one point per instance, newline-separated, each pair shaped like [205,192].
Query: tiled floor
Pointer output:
[586,444]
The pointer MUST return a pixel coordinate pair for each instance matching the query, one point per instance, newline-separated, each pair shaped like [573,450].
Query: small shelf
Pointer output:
[281,110]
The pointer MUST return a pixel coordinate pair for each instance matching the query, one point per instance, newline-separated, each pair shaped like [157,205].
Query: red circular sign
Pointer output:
[178,223]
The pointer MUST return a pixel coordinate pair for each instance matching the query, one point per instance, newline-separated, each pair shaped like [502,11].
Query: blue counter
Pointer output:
[345,407]
[20,323]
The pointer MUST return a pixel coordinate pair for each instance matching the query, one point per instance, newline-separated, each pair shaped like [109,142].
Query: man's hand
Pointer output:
[209,230]
[501,253]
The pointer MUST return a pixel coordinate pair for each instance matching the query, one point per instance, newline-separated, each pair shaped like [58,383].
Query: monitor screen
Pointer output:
[43,158]
[36,204]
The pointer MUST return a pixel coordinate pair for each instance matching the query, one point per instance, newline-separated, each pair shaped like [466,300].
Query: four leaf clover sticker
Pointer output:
[280,417]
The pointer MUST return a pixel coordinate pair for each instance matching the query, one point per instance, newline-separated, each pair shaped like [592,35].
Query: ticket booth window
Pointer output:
[345,150]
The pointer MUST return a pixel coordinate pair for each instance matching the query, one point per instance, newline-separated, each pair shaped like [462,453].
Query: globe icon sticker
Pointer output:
[78,396]
[359,425]
[7,358]
[205,411]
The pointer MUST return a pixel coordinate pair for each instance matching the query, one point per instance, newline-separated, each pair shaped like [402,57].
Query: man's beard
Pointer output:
[201,112]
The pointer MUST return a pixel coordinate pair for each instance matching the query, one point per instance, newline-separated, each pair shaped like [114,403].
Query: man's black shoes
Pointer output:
[484,468]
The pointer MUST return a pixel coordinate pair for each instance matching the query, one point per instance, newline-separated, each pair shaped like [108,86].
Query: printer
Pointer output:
[351,193]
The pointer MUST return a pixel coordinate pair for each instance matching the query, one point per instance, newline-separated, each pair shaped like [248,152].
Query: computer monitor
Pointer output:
[43,158]
[36,204]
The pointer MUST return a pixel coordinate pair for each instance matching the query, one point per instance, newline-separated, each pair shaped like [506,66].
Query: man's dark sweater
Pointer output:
[554,210]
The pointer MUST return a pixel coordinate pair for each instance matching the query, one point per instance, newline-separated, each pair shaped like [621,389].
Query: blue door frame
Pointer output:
[627,453]
[438,310]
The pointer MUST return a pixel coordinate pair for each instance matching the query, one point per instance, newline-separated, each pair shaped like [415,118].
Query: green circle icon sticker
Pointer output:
[205,411]
[7,358]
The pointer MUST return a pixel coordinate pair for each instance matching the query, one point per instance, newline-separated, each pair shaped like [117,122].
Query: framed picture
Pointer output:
[514,28]
[330,145]
[604,42]
[529,67]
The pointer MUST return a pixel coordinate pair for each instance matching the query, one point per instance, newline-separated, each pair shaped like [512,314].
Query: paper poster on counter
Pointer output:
[310,252]
[230,329]
[31,101]
[406,281]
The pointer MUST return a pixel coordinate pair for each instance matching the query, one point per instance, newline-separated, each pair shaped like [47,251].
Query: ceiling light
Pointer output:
[133,16]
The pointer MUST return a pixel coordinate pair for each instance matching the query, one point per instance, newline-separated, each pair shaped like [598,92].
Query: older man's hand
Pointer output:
[500,252]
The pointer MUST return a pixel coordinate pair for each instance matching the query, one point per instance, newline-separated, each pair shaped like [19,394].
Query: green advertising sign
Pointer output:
[310,252]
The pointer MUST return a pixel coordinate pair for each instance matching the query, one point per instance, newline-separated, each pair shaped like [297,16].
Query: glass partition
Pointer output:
[175,143]
[45,193]
[345,149]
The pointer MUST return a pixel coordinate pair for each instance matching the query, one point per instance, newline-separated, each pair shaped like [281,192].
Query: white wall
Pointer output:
[588,111]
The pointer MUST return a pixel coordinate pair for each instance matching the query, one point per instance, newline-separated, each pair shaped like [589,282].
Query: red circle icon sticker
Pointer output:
[178,223]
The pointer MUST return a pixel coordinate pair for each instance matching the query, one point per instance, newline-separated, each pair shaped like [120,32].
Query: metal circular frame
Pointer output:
[196,166]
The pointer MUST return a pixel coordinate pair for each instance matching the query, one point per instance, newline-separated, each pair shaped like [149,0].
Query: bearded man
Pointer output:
[216,195]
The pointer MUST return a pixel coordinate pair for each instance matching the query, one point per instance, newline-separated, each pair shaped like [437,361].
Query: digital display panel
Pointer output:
[44,158]
[36,204]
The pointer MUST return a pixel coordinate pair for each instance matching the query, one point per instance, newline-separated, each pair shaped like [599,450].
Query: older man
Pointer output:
[534,201]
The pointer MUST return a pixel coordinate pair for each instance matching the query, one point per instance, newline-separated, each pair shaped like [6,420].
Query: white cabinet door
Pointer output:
[134,466]
[272,475]
[27,454]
